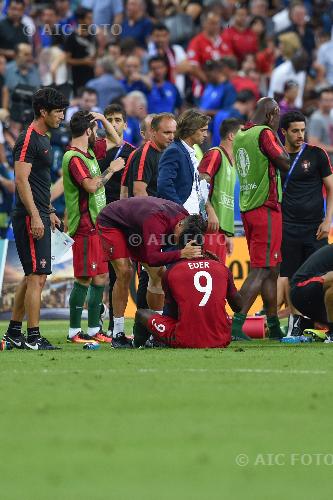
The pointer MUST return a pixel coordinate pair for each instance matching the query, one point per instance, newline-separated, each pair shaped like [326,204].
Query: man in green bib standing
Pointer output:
[85,198]
[259,157]
[217,168]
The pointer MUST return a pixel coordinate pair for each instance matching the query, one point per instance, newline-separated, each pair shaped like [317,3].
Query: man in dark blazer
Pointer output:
[178,178]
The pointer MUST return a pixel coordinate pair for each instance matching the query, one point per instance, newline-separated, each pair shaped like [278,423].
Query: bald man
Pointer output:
[259,157]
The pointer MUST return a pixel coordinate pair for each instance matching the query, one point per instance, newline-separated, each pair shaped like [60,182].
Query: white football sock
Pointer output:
[73,331]
[119,324]
[93,330]
[159,312]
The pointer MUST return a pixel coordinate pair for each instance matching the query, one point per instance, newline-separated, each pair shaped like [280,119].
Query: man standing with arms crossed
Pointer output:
[34,217]
[259,155]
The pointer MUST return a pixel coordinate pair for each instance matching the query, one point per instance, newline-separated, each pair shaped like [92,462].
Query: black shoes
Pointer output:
[40,344]
[121,342]
[15,341]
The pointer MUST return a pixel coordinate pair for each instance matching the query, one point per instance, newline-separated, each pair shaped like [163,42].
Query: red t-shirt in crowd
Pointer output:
[202,49]
[244,83]
[78,172]
[241,42]
[195,294]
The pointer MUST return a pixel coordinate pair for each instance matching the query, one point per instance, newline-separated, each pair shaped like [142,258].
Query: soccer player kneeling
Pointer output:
[195,295]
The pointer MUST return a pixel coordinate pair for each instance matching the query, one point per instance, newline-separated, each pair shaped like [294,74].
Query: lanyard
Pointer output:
[119,151]
[290,171]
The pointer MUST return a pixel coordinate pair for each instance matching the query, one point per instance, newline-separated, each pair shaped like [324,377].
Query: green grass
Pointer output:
[165,424]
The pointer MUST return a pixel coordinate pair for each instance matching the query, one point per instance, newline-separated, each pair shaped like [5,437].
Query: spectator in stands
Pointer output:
[163,96]
[108,88]
[242,109]
[240,38]
[80,49]
[207,45]
[325,59]
[46,27]
[87,101]
[260,8]
[12,30]
[21,72]
[66,17]
[3,89]
[240,82]
[136,23]
[287,103]
[108,12]
[295,70]
[301,26]
[134,79]
[174,54]
[219,93]
[52,66]
[320,129]
[136,108]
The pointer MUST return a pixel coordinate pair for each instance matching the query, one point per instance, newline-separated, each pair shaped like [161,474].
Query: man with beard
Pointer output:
[85,198]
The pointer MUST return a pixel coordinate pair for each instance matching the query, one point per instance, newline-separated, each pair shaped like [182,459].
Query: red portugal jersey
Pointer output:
[195,293]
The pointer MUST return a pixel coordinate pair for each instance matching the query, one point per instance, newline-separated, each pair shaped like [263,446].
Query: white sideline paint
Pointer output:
[178,370]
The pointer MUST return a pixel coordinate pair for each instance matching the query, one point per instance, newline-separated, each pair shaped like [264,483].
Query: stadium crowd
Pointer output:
[173,79]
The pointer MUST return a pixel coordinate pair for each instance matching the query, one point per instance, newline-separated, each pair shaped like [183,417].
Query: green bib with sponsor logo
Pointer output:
[222,198]
[96,200]
[253,169]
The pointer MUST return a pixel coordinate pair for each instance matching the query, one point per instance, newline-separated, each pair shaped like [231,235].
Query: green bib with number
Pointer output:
[253,169]
[222,198]
[96,201]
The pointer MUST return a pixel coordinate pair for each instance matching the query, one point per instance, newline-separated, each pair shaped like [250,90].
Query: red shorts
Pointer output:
[215,243]
[263,231]
[114,243]
[88,258]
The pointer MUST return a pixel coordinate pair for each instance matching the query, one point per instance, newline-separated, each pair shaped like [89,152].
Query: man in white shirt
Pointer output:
[294,70]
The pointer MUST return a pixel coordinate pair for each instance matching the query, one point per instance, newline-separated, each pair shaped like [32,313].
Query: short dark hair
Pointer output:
[157,59]
[245,95]
[230,62]
[114,108]
[228,126]
[160,27]
[194,229]
[290,117]
[189,122]
[48,99]
[82,90]
[155,123]
[326,89]
[81,13]
[80,122]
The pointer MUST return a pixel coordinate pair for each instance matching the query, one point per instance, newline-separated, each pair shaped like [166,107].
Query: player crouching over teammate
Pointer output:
[138,229]
[195,294]
[311,289]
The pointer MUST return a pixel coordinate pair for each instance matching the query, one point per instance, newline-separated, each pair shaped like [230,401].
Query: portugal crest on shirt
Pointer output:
[306,166]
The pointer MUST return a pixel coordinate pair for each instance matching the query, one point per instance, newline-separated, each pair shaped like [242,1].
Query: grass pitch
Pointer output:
[166,424]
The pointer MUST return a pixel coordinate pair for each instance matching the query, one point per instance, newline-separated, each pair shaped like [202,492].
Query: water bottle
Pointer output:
[91,346]
[299,339]
[5,345]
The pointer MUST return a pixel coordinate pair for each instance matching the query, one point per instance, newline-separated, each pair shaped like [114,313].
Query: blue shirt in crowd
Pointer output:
[132,132]
[218,96]
[164,98]
[140,30]
[108,89]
